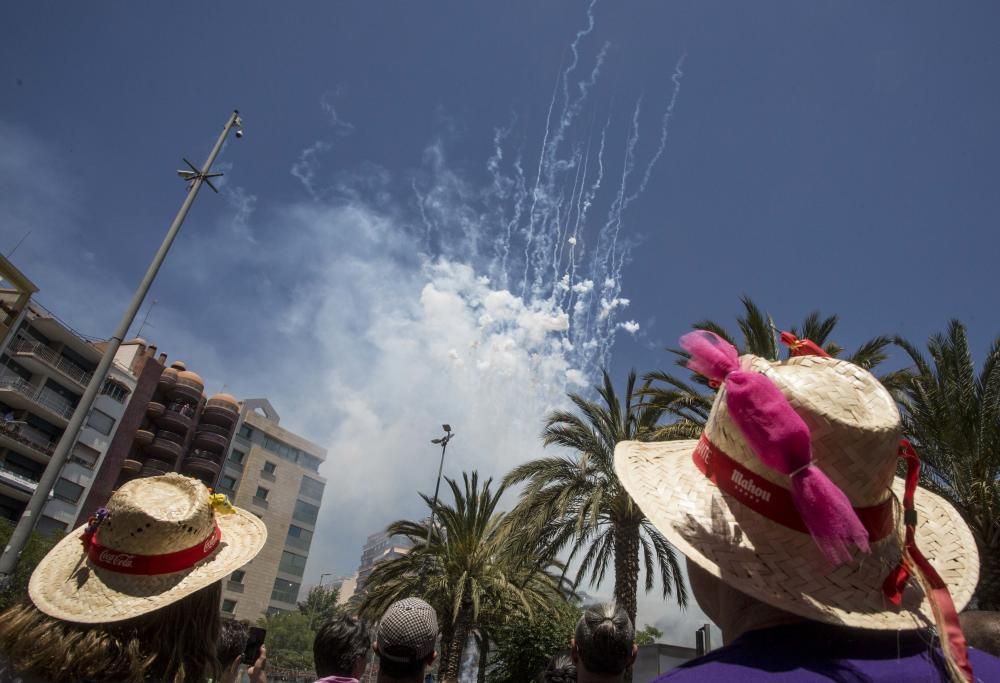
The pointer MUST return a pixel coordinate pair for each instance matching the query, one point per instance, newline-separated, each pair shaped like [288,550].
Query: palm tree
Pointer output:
[689,402]
[470,570]
[574,499]
[953,419]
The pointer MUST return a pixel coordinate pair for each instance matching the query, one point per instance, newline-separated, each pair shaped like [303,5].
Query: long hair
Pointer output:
[175,643]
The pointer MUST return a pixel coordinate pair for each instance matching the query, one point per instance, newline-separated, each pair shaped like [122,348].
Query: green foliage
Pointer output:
[37,547]
[524,644]
[290,634]
[472,571]
[573,500]
[689,401]
[647,635]
[289,640]
[952,416]
[321,605]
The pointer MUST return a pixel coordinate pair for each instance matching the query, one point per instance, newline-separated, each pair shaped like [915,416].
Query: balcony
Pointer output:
[19,438]
[201,466]
[19,394]
[178,418]
[17,480]
[165,449]
[30,354]
[208,438]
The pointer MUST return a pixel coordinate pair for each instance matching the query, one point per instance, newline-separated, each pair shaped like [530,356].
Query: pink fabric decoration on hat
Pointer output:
[781,441]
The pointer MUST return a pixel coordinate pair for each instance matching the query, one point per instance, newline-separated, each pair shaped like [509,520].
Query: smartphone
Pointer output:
[255,638]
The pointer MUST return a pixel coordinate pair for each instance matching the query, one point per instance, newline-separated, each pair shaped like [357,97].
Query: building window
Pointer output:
[261,493]
[115,390]
[228,606]
[285,591]
[85,456]
[270,467]
[309,462]
[299,537]
[311,488]
[305,512]
[67,490]
[237,457]
[292,564]
[246,431]
[237,576]
[227,482]
[47,526]
[100,421]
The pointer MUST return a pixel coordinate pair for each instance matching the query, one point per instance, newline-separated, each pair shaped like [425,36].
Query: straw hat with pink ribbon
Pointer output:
[790,495]
[158,540]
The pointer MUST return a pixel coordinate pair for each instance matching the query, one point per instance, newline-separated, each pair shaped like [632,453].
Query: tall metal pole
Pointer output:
[444,446]
[24,527]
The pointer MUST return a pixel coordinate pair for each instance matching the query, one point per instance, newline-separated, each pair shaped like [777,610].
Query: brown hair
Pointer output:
[175,643]
[604,639]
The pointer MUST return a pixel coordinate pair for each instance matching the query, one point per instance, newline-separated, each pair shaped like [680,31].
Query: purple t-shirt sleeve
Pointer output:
[790,659]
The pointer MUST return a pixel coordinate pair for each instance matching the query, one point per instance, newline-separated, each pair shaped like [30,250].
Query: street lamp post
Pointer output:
[26,524]
[448,434]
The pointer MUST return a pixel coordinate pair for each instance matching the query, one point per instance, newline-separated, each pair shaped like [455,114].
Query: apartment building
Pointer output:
[380,547]
[274,473]
[44,370]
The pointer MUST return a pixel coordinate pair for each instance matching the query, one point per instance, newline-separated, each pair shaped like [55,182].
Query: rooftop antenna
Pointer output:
[145,320]
[11,252]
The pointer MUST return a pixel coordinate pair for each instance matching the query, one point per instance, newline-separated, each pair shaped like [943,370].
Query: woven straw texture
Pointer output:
[150,516]
[855,429]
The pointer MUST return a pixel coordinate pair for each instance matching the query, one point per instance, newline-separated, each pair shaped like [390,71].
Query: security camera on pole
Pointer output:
[26,524]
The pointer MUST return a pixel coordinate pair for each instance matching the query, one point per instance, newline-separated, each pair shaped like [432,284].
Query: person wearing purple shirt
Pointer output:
[801,543]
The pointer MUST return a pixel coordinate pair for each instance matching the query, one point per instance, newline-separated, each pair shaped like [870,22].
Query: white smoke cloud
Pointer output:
[629,326]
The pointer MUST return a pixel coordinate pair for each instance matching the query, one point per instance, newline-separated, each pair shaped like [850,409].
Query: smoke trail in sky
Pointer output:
[535,239]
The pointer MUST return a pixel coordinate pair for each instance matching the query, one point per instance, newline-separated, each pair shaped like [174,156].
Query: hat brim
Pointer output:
[783,567]
[65,585]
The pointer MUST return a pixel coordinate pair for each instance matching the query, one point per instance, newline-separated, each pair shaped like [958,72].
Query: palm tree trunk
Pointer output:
[447,633]
[627,571]
[484,653]
[463,627]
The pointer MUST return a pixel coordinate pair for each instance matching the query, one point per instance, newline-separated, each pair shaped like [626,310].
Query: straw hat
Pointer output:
[855,432]
[159,540]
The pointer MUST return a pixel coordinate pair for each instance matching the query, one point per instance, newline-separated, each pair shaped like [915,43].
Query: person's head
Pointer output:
[560,669]
[341,647]
[982,629]
[177,642]
[604,642]
[232,643]
[789,495]
[405,641]
[134,594]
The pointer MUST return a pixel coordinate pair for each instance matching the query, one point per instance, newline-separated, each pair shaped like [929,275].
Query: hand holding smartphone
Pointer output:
[255,639]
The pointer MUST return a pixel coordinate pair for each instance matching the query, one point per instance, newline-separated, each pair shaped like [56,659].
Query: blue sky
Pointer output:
[832,156]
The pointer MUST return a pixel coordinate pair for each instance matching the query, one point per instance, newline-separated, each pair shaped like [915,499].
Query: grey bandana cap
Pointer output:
[407,631]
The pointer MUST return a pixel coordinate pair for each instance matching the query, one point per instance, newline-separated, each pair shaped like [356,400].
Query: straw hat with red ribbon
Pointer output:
[790,496]
[158,540]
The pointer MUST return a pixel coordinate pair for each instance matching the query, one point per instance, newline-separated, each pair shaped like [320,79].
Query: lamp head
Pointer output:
[446,428]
